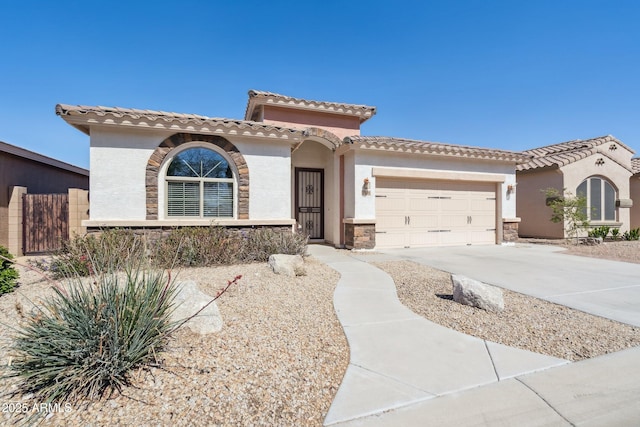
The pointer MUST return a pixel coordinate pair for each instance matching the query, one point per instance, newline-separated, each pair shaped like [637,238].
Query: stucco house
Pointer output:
[634,188]
[599,169]
[290,163]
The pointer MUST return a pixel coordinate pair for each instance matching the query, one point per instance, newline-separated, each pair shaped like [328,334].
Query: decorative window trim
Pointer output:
[201,181]
[157,160]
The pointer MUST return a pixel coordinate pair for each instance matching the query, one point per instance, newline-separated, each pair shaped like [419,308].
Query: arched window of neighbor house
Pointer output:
[200,184]
[601,199]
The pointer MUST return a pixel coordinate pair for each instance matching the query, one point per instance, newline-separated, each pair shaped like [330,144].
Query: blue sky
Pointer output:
[501,74]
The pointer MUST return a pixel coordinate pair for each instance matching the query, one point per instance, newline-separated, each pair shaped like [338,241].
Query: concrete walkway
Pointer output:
[407,371]
[602,287]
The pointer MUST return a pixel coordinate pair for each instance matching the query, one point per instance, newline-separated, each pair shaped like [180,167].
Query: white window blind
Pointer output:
[183,198]
[218,199]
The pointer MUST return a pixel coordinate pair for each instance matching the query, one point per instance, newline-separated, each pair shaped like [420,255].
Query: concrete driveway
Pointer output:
[605,288]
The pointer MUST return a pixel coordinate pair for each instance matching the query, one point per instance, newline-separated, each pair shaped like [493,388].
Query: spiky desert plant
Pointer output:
[86,340]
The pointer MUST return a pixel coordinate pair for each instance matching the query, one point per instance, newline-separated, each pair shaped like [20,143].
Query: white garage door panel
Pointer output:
[431,213]
[453,238]
[420,238]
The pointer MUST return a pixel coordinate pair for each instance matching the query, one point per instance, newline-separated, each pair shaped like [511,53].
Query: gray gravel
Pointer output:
[281,355]
[279,359]
[526,322]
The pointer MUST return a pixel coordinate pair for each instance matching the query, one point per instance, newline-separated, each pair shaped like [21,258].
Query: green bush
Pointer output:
[84,342]
[601,232]
[615,233]
[8,274]
[633,234]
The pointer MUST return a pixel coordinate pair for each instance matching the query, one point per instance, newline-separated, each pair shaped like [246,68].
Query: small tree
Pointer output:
[569,210]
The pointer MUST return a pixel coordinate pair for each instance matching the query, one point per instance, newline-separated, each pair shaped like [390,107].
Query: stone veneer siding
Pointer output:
[509,231]
[158,156]
[360,236]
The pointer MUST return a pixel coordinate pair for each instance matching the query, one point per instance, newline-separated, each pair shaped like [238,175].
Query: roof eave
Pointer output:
[83,118]
[63,111]
[258,99]
[40,158]
[439,149]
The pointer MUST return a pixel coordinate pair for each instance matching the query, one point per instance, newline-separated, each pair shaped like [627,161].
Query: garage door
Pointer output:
[415,213]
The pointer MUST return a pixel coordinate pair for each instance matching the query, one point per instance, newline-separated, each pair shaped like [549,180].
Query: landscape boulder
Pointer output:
[477,294]
[288,265]
[189,299]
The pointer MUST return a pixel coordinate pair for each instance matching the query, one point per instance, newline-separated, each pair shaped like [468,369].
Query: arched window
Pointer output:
[601,199]
[200,184]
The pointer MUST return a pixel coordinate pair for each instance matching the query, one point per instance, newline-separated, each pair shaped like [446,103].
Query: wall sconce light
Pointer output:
[366,187]
[511,188]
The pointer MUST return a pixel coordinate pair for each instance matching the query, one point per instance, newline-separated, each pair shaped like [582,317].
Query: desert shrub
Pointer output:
[8,274]
[615,233]
[633,234]
[108,251]
[260,243]
[86,339]
[184,247]
[203,246]
[601,232]
[197,246]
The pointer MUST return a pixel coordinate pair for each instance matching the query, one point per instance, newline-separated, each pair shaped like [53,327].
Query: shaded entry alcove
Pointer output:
[309,201]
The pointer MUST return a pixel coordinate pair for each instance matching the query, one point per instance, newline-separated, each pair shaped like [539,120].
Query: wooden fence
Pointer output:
[45,222]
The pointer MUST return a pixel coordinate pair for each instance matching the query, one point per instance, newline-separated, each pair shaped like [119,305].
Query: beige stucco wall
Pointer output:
[610,170]
[349,184]
[118,166]
[635,196]
[531,205]
[338,124]
[364,206]
[312,154]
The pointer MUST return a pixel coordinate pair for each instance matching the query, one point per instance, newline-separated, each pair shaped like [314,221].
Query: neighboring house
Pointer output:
[294,163]
[24,171]
[599,169]
[635,192]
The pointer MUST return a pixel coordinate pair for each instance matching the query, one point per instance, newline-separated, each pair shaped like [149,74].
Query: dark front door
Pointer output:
[310,201]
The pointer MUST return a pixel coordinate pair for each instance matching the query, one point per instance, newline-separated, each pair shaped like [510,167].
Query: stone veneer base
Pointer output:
[510,231]
[360,236]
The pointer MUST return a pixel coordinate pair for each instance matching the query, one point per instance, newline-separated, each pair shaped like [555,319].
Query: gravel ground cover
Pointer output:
[281,355]
[279,359]
[526,322]
[627,251]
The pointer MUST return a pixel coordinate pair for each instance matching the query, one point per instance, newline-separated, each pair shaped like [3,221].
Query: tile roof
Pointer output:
[435,148]
[567,152]
[635,165]
[159,118]
[257,98]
